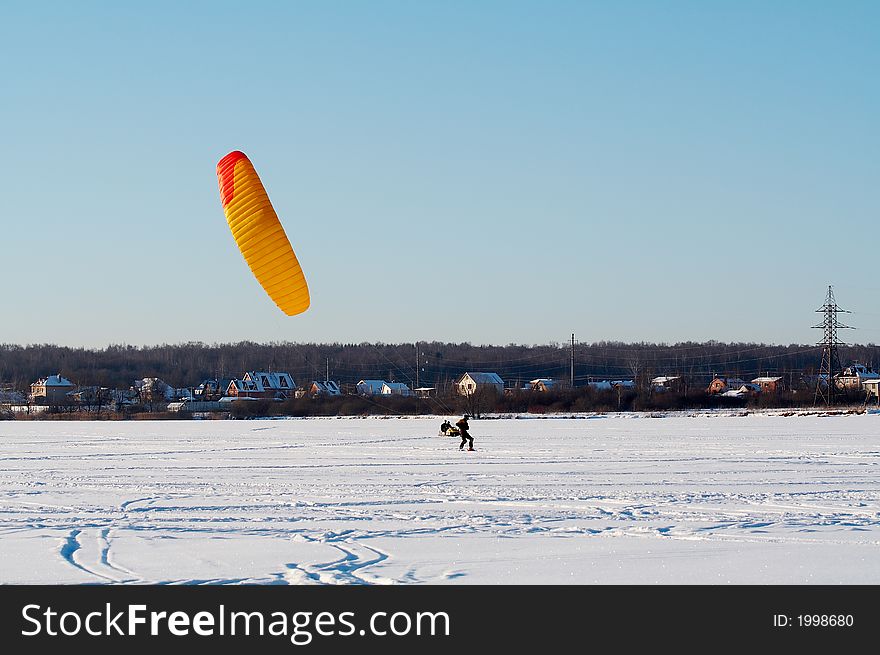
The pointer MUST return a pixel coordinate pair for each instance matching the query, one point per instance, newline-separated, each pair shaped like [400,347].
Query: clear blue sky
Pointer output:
[491,172]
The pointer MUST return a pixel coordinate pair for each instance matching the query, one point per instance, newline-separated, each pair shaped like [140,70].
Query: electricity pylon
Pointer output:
[830,355]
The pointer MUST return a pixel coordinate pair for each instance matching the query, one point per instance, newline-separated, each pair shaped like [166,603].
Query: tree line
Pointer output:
[432,364]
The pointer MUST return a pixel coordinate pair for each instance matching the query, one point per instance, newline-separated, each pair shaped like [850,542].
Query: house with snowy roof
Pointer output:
[51,390]
[471,383]
[9,396]
[325,388]
[543,385]
[262,384]
[370,387]
[854,376]
[722,384]
[663,383]
[769,383]
[745,390]
[608,385]
[153,389]
[396,389]
[211,389]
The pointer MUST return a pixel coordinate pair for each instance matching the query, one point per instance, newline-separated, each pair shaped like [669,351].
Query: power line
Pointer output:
[830,356]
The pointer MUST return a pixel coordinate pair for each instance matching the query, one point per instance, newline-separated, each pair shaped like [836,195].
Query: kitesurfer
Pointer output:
[463,427]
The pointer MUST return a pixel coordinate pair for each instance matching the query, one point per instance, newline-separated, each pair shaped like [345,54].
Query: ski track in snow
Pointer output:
[385,501]
[81,556]
[349,568]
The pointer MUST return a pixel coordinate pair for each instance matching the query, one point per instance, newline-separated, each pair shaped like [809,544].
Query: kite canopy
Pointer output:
[260,235]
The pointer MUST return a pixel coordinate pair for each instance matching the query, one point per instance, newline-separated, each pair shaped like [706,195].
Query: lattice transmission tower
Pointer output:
[826,389]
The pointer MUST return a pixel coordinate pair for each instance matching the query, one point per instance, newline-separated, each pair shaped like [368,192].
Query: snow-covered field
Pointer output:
[619,499]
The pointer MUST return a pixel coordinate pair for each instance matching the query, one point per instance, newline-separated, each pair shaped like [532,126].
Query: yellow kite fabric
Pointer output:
[259,234]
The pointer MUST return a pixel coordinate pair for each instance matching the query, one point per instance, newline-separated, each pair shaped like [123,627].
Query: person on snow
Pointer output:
[445,427]
[463,427]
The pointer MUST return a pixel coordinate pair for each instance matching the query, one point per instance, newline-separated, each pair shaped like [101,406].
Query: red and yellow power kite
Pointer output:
[260,235]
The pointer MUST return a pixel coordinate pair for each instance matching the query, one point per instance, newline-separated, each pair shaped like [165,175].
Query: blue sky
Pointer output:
[492,172]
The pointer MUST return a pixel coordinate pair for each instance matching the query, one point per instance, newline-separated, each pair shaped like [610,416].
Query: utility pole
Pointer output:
[417,364]
[572,360]
[830,356]
[327,376]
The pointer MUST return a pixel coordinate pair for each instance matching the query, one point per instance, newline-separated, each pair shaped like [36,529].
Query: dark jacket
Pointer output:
[463,425]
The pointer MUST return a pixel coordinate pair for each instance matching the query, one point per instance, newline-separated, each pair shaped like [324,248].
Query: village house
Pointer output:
[872,388]
[370,387]
[51,390]
[211,389]
[395,389]
[543,385]
[743,391]
[471,383]
[722,384]
[8,396]
[663,383]
[262,384]
[326,388]
[854,376]
[153,390]
[769,384]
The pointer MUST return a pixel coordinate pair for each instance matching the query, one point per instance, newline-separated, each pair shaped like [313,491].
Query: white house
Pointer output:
[370,387]
[854,376]
[471,383]
[872,387]
[395,389]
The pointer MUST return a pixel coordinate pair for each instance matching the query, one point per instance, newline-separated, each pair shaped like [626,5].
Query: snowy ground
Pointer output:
[620,499]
